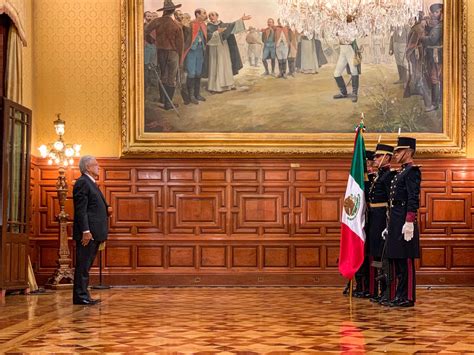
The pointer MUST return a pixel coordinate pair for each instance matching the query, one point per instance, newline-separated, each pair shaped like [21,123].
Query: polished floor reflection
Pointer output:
[230,320]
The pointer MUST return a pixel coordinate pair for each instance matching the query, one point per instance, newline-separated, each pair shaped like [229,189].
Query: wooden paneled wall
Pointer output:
[248,222]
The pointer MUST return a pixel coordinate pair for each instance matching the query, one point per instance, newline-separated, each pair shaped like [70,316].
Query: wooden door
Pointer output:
[15,197]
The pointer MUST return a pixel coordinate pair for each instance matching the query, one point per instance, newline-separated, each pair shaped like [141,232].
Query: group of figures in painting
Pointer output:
[387,276]
[418,52]
[180,51]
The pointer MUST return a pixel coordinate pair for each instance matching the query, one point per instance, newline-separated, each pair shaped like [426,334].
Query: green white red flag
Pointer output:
[351,254]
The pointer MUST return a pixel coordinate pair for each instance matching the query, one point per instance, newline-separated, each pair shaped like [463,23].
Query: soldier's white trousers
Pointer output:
[282,51]
[346,56]
[399,50]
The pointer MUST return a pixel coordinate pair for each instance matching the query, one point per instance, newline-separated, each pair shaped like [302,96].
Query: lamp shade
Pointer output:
[59,126]
[43,151]
[58,145]
[59,152]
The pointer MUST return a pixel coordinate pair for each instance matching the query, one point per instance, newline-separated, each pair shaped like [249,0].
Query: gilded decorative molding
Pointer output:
[123,73]
[464,38]
[268,152]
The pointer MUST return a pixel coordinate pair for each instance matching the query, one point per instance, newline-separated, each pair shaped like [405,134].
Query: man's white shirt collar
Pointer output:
[90,177]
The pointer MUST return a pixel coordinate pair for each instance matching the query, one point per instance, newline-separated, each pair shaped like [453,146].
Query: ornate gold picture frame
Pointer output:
[137,141]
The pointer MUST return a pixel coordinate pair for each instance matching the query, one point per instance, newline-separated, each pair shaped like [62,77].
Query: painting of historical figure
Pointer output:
[237,66]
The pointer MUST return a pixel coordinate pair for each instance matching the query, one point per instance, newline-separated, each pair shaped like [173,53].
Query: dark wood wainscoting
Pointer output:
[248,222]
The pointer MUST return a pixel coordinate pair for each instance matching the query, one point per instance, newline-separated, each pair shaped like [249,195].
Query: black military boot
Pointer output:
[385,301]
[435,96]
[355,88]
[162,95]
[185,94]
[400,79]
[404,76]
[359,289]
[347,289]
[190,87]
[168,103]
[197,90]
[284,64]
[280,68]
[342,88]
[265,65]
[291,66]
[427,100]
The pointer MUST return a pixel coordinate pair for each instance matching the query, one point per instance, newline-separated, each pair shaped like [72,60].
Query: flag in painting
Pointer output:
[351,254]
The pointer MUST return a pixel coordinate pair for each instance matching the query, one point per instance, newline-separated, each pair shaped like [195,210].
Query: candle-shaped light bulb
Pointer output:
[380,138]
[399,131]
[43,151]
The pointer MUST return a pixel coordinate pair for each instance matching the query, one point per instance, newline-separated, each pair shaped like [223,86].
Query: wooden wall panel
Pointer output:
[245,256]
[181,256]
[214,256]
[463,257]
[276,257]
[433,258]
[306,257]
[149,256]
[247,222]
[118,257]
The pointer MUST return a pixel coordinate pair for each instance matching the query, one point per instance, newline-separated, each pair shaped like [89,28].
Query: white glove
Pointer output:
[385,234]
[408,231]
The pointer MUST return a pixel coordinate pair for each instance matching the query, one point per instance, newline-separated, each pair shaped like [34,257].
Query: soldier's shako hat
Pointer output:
[383,149]
[406,143]
[436,7]
[370,154]
[168,5]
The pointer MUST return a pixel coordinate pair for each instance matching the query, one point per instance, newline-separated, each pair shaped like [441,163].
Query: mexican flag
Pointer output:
[351,254]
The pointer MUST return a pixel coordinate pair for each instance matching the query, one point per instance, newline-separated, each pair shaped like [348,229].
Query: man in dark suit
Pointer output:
[90,226]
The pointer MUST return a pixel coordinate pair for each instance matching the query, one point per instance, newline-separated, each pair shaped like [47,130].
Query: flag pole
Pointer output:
[350,290]
[361,127]
[349,257]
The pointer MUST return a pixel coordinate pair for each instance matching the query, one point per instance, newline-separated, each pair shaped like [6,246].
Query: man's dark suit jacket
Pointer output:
[90,210]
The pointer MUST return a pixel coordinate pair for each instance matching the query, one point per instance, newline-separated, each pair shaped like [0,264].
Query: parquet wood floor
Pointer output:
[236,320]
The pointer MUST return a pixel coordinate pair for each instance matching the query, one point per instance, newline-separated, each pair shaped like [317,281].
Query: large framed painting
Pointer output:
[253,78]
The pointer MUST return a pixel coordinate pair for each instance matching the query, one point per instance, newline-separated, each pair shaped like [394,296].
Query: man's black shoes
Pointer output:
[404,303]
[88,302]
[375,299]
[361,294]
[400,302]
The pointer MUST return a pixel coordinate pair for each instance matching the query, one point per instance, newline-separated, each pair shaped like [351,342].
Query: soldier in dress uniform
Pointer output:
[362,275]
[377,215]
[371,167]
[403,238]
